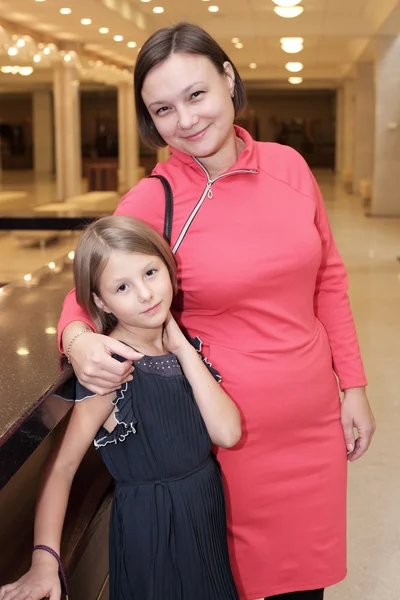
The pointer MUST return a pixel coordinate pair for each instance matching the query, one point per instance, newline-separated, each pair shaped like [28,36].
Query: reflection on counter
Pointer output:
[37,387]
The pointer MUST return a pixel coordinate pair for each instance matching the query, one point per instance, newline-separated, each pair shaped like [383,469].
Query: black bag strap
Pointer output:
[169,206]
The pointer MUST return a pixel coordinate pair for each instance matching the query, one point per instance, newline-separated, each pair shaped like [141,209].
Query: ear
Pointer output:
[100,304]
[229,76]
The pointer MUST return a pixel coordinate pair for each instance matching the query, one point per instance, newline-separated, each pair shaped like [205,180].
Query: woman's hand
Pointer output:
[41,581]
[91,358]
[173,338]
[356,414]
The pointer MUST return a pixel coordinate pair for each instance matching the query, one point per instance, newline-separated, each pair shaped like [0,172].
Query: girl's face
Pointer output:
[135,288]
[191,103]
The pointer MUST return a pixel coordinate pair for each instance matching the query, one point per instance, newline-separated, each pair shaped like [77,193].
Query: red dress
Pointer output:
[263,286]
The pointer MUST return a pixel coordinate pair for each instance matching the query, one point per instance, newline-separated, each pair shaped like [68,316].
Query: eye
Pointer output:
[161,110]
[122,288]
[196,94]
[151,272]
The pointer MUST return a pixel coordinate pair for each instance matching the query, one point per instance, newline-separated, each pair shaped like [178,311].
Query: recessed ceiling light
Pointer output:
[286,3]
[12,51]
[20,43]
[131,44]
[292,45]
[104,30]
[46,51]
[235,40]
[51,330]
[294,67]
[239,45]
[86,21]
[145,0]
[37,58]
[65,11]
[118,38]
[288,12]
[67,58]
[158,10]
[25,351]
[295,80]
[253,65]
[39,0]
[213,8]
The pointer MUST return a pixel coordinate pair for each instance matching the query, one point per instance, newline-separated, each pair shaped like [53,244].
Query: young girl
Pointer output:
[167,530]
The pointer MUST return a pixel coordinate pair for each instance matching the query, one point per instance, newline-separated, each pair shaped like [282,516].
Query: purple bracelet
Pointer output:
[61,572]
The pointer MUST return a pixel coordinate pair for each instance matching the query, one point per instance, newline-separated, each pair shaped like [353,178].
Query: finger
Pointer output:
[117,347]
[362,445]
[348,433]
[6,590]
[55,593]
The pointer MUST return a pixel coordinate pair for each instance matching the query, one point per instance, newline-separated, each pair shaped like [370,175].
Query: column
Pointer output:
[385,189]
[67,131]
[339,131]
[43,141]
[348,137]
[364,124]
[128,143]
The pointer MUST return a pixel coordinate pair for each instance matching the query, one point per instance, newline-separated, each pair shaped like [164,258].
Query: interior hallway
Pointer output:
[370,248]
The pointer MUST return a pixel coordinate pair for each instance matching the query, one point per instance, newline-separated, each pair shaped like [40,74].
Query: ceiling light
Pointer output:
[239,45]
[213,8]
[25,71]
[158,10]
[253,65]
[288,12]
[52,265]
[286,3]
[145,0]
[104,30]
[6,69]
[46,51]
[12,51]
[27,277]
[118,38]
[295,80]
[235,40]
[51,330]
[37,58]
[20,43]
[71,255]
[294,67]
[39,0]
[86,21]
[292,45]
[25,351]
[131,44]
[65,11]
[67,57]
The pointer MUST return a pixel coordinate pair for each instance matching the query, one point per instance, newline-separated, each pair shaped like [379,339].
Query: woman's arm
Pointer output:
[219,413]
[42,578]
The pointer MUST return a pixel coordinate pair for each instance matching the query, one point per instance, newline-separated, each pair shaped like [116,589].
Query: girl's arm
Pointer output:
[219,413]
[42,578]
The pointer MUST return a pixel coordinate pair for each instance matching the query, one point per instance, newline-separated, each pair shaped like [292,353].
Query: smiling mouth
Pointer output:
[151,309]
[194,136]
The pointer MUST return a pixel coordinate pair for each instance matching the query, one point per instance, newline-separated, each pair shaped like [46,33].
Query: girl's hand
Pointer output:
[41,581]
[173,338]
[94,366]
[356,414]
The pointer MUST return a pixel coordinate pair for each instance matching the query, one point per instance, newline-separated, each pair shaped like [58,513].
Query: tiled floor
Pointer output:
[369,248]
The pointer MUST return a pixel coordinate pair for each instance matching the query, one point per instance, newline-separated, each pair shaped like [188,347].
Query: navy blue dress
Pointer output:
[167,531]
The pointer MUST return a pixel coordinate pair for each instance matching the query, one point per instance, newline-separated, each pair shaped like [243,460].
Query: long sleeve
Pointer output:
[332,306]
[145,201]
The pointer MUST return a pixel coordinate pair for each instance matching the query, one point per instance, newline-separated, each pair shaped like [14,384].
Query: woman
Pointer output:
[263,286]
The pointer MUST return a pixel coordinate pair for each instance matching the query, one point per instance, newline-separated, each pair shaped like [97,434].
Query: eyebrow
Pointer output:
[183,92]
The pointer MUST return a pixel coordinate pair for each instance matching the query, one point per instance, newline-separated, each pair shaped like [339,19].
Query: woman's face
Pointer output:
[191,103]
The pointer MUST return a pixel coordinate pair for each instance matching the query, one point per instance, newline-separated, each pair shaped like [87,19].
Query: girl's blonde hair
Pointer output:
[93,252]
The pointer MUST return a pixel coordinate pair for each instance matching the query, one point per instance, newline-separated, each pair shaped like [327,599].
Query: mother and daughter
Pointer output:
[262,292]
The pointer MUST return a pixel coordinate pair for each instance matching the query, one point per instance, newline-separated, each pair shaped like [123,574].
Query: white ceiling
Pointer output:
[336,33]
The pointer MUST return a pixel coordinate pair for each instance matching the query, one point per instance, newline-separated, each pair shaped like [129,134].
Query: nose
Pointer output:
[144,292]
[186,118]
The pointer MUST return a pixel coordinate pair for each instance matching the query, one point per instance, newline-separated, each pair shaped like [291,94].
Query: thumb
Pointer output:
[347,425]
[123,350]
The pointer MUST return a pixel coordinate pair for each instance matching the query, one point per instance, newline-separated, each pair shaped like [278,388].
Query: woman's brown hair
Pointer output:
[93,252]
[184,38]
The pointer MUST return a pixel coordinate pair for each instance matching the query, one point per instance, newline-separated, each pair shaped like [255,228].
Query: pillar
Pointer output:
[43,140]
[364,124]
[67,130]
[128,142]
[339,130]
[348,133]
[385,190]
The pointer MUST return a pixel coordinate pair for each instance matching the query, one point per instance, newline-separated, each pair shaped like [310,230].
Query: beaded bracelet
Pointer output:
[68,354]
[61,572]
